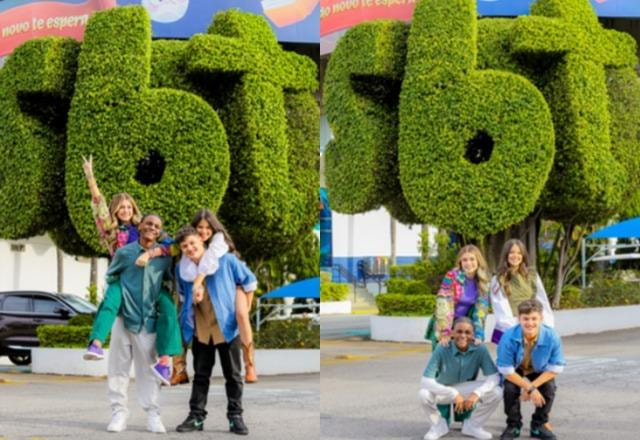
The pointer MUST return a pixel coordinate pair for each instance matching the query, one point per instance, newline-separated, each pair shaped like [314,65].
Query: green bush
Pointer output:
[393,304]
[66,336]
[563,49]
[333,291]
[361,95]
[606,291]
[408,287]
[465,132]
[167,148]
[571,298]
[36,85]
[264,97]
[293,333]
[81,320]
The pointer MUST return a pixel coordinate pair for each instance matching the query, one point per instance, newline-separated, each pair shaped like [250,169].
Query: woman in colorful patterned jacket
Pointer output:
[464,292]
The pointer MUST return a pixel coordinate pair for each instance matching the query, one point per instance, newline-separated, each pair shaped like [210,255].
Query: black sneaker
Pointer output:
[191,423]
[542,432]
[237,426]
[510,433]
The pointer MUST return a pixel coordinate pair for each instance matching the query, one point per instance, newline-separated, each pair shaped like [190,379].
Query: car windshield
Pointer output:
[81,305]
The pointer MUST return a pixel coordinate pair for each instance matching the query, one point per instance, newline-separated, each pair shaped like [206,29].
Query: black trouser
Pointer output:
[204,358]
[512,401]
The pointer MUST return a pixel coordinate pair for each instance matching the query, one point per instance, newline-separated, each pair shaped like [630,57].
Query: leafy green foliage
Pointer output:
[293,333]
[395,304]
[67,336]
[36,85]
[333,291]
[167,148]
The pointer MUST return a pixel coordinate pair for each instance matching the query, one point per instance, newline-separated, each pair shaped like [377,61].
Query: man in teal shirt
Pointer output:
[450,377]
[134,332]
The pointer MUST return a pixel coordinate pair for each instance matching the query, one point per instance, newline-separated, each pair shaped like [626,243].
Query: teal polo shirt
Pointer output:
[140,286]
[449,366]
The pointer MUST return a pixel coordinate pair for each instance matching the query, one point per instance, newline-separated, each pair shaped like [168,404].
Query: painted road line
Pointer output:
[346,358]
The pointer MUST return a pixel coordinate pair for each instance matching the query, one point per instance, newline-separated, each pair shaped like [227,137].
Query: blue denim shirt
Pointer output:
[222,290]
[545,356]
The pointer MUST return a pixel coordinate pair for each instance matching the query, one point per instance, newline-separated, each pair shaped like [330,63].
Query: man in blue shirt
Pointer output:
[208,321]
[529,358]
[450,377]
[133,335]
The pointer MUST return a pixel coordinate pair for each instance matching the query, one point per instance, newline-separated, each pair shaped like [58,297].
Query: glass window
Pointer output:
[80,304]
[16,304]
[45,305]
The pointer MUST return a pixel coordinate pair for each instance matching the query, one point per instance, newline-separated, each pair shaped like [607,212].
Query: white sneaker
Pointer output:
[438,430]
[118,422]
[154,424]
[475,431]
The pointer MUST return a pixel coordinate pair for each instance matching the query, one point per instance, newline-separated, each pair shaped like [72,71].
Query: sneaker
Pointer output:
[162,372]
[154,424]
[474,431]
[191,423]
[237,426]
[438,430]
[118,422]
[93,353]
[510,433]
[542,432]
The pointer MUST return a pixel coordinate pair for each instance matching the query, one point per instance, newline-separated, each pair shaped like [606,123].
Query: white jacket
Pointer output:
[502,309]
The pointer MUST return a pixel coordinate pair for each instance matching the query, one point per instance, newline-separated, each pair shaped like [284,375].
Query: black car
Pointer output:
[22,311]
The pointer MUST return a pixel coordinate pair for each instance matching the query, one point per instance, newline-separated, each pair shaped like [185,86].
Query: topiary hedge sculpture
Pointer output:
[475,147]
[482,109]
[167,148]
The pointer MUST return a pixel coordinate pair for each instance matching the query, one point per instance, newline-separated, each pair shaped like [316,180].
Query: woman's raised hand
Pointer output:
[87,166]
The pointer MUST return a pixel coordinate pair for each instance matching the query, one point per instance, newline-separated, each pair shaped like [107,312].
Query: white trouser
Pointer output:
[140,348]
[485,405]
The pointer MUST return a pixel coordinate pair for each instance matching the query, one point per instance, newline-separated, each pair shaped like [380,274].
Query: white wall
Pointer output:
[35,267]
[369,234]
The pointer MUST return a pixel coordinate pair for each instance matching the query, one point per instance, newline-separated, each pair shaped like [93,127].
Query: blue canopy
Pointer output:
[626,229]
[309,288]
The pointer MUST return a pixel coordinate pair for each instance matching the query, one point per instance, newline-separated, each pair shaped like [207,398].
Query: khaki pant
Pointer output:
[127,347]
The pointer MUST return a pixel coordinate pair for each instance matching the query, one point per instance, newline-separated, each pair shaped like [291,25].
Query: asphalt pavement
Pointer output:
[38,407]
[369,389]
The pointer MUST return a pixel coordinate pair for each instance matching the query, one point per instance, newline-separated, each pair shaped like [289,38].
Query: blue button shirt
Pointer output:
[449,366]
[545,356]
[222,290]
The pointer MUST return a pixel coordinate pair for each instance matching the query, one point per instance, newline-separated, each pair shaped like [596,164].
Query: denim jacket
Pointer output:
[545,356]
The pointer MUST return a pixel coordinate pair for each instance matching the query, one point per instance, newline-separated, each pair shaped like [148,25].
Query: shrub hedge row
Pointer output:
[293,333]
[396,304]
[333,291]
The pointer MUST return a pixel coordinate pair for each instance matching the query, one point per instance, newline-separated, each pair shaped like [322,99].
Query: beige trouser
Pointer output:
[127,347]
[486,405]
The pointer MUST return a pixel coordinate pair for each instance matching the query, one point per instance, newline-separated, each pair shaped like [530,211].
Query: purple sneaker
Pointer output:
[93,353]
[162,372]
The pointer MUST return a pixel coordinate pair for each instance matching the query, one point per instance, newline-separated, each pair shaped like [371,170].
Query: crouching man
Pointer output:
[529,358]
[450,377]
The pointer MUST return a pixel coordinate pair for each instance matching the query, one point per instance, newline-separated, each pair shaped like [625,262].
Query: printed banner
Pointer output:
[336,15]
[292,20]
[22,20]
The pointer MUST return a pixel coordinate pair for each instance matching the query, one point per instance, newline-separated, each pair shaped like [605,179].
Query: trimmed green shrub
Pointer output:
[394,304]
[264,98]
[587,181]
[81,320]
[361,94]
[292,333]
[475,147]
[623,88]
[36,85]
[333,291]
[167,148]
[65,336]
[607,291]
[408,287]
[570,298]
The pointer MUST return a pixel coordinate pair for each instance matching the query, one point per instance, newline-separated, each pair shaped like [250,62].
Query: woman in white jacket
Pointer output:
[513,283]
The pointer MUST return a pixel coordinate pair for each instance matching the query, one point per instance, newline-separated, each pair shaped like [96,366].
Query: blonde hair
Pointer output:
[482,276]
[116,204]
